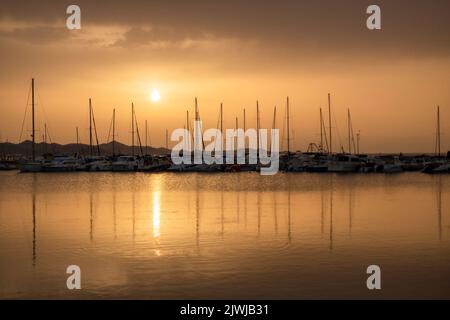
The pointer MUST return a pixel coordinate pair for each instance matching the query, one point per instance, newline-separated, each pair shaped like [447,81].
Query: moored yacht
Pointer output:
[62,164]
[443,168]
[6,165]
[98,163]
[437,166]
[151,164]
[125,163]
[344,163]
[30,166]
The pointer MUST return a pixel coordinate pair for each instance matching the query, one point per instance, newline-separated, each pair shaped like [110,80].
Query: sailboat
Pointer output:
[214,167]
[33,165]
[439,164]
[186,167]
[65,163]
[340,162]
[99,162]
[128,163]
[151,163]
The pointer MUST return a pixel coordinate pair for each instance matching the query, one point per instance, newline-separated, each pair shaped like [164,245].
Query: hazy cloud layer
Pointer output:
[38,35]
[420,27]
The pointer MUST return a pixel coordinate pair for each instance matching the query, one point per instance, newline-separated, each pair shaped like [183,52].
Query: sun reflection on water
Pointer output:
[156,214]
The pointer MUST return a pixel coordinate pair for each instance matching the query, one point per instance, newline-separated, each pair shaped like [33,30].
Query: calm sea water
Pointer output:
[225,236]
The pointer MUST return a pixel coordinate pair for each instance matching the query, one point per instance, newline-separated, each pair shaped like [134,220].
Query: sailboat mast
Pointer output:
[91,147]
[138,135]
[329,122]
[321,131]
[195,122]
[221,124]
[197,118]
[146,137]
[196,110]
[357,142]
[90,127]
[288,127]
[221,118]
[167,139]
[187,120]
[245,144]
[274,117]
[438,133]
[273,125]
[352,135]
[78,139]
[348,131]
[257,126]
[95,128]
[132,129]
[114,133]
[244,121]
[32,121]
[237,137]
[45,138]
[187,126]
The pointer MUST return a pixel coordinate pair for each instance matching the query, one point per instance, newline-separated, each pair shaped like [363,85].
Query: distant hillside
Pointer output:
[24,148]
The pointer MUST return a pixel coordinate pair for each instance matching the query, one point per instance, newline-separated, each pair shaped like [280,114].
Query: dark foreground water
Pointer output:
[230,236]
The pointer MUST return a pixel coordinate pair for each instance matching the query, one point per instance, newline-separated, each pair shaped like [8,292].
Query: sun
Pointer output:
[155,96]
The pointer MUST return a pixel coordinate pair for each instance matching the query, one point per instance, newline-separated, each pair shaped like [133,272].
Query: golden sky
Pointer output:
[233,52]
